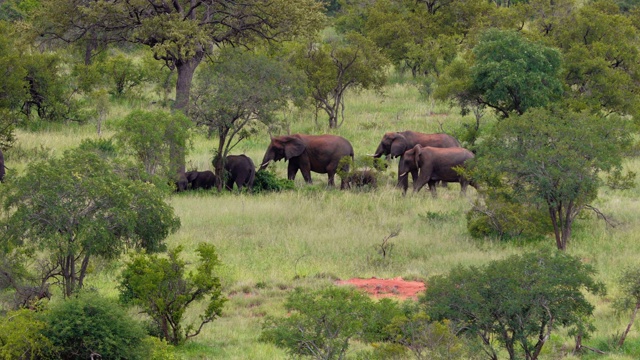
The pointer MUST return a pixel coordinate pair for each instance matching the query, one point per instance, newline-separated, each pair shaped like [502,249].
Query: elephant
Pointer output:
[202,179]
[395,144]
[434,164]
[1,166]
[240,170]
[181,183]
[317,153]
[361,178]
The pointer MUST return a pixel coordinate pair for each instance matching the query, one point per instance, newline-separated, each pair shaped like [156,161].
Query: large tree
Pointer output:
[67,211]
[552,159]
[339,64]
[516,302]
[181,32]
[238,93]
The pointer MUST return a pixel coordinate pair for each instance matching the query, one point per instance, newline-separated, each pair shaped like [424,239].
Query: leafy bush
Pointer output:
[21,336]
[87,325]
[323,322]
[163,291]
[267,181]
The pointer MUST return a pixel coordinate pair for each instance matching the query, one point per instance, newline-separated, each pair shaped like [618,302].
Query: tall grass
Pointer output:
[270,243]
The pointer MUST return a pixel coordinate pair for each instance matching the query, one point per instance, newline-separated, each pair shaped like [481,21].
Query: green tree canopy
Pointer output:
[339,64]
[238,93]
[68,210]
[164,290]
[552,159]
[518,301]
[512,74]
[13,87]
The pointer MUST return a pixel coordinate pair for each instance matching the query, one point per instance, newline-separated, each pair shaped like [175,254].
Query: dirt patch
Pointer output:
[380,288]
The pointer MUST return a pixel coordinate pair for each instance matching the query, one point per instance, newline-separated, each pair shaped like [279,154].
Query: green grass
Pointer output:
[271,243]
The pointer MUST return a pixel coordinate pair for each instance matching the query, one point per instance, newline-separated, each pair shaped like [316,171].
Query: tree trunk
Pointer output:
[626,331]
[186,69]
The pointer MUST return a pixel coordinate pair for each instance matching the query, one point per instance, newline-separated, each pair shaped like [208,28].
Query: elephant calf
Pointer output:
[241,171]
[361,178]
[201,179]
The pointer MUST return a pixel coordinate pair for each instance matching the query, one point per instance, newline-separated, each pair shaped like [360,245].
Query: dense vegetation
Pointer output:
[104,105]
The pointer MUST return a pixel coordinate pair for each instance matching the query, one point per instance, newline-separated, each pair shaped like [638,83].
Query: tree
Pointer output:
[629,282]
[511,74]
[552,159]
[338,65]
[150,135]
[236,94]
[164,291]
[182,33]
[13,85]
[322,322]
[517,301]
[68,210]
[91,326]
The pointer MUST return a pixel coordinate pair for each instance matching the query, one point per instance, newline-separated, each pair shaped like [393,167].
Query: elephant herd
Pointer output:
[429,158]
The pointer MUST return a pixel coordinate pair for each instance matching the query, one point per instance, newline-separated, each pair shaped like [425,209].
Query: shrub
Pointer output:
[267,181]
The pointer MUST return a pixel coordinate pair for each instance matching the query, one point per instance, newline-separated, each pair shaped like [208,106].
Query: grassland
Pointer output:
[313,235]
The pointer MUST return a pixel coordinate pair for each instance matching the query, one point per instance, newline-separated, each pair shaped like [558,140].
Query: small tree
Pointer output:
[321,323]
[517,301]
[629,282]
[551,159]
[338,65]
[66,211]
[164,291]
[234,96]
[150,135]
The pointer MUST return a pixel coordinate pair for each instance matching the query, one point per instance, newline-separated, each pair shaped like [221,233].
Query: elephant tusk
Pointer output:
[403,174]
[264,165]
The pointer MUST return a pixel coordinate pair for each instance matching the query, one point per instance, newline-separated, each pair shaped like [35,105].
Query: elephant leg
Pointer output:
[463,186]
[229,184]
[432,187]
[331,175]
[292,170]
[241,181]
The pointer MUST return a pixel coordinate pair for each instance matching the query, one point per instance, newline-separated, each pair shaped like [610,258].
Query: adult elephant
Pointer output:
[201,179]
[433,164]
[317,153]
[395,144]
[240,171]
[1,166]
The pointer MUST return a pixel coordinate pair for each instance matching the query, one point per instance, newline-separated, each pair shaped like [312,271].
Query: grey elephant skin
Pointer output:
[240,171]
[317,153]
[395,144]
[433,164]
[1,166]
[201,179]
[182,183]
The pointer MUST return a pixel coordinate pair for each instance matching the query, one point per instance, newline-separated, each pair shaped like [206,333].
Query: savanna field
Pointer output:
[312,236]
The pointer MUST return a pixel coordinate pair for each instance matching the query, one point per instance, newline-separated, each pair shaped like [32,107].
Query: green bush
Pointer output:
[89,324]
[267,181]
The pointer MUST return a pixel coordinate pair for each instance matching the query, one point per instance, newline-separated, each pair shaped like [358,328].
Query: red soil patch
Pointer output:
[379,288]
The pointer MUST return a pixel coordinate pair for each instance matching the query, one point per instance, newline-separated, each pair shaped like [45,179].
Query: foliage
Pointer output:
[150,135]
[512,74]
[267,181]
[552,159]
[13,84]
[74,208]
[629,283]
[601,58]
[164,290]
[517,301]
[428,339]
[240,92]
[89,325]
[21,336]
[332,67]
[123,74]
[322,322]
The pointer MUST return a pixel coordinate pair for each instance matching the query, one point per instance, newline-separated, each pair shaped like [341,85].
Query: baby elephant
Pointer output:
[240,170]
[201,179]
[361,178]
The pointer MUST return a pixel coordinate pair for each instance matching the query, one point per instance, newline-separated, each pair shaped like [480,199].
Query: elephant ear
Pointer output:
[398,145]
[294,147]
[417,151]
[192,175]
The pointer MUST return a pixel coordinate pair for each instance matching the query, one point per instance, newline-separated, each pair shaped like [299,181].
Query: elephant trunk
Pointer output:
[379,151]
[264,165]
